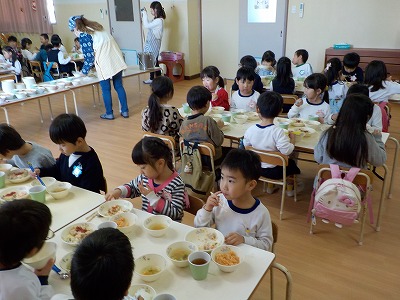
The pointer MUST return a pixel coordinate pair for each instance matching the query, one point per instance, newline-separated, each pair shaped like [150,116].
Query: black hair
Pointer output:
[55,40]
[10,49]
[150,149]
[351,60]
[159,10]
[45,36]
[346,141]
[245,161]
[270,104]
[67,128]
[24,42]
[318,81]
[269,56]
[24,225]
[249,62]
[375,75]
[213,73]
[10,139]
[12,38]
[333,69]
[102,266]
[303,53]
[284,71]
[161,87]
[76,39]
[48,47]
[244,73]
[197,97]
[358,89]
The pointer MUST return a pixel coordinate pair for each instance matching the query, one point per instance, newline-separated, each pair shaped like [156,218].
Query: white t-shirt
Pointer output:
[308,108]
[248,103]
[383,95]
[302,71]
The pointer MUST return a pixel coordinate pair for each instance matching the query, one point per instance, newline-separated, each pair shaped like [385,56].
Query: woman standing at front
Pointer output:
[108,61]
[154,34]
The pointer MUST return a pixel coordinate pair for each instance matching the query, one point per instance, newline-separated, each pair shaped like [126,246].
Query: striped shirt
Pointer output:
[167,198]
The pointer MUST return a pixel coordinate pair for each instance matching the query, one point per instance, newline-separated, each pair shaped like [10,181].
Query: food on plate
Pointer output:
[142,294]
[150,270]
[298,123]
[18,174]
[114,210]
[295,132]
[15,195]
[227,259]
[77,233]
[180,254]
[121,222]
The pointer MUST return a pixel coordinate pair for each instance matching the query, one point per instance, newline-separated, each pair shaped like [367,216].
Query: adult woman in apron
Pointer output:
[154,35]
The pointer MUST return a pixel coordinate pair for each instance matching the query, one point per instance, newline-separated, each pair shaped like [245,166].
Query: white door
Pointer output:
[126,28]
[262,27]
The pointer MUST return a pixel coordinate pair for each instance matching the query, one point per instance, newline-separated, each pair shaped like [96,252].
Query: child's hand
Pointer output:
[292,138]
[299,102]
[234,239]
[35,174]
[334,117]
[214,96]
[212,201]
[220,124]
[45,271]
[115,194]
[143,190]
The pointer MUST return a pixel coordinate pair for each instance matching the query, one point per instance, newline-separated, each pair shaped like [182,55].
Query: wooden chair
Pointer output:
[11,76]
[56,71]
[25,68]
[195,204]
[278,159]
[36,68]
[275,265]
[289,100]
[364,179]
[169,141]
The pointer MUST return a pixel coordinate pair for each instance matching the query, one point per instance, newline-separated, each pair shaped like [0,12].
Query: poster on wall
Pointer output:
[261,11]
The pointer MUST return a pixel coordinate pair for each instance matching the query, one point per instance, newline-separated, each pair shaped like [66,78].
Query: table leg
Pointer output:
[51,110]
[396,143]
[65,104]
[75,105]
[98,93]
[40,109]
[383,194]
[6,114]
[94,99]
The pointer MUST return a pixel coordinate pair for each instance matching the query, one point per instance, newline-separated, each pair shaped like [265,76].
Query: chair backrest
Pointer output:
[271,157]
[363,178]
[8,76]
[168,140]
[205,148]
[36,68]
[289,99]
[195,204]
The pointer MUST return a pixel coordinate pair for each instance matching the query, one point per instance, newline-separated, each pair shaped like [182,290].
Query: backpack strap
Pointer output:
[163,185]
[351,174]
[335,171]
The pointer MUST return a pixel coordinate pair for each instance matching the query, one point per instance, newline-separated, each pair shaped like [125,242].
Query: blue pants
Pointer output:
[119,88]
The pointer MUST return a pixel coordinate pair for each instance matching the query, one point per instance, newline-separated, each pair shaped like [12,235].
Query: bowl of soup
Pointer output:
[59,189]
[157,225]
[178,253]
[149,267]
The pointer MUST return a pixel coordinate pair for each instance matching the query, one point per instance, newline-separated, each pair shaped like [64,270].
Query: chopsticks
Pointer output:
[37,176]
[92,216]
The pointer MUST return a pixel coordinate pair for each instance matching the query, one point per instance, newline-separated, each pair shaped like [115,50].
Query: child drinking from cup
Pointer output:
[213,82]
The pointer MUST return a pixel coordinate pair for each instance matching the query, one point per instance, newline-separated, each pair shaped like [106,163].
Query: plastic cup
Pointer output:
[199,262]
[313,117]
[284,125]
[38,193]
[2,179]
[186,108]
[226,117]
[164,297]
[107,224]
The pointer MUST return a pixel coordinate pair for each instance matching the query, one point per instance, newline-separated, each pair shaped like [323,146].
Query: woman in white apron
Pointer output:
[154,34]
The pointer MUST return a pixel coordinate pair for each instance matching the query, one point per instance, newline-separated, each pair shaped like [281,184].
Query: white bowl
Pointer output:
[14,193]
[50,87]
[240,119]
[18,175]
[47,181]
[75,233]
[157,225]
[76,82]
[308,131]
[61,85]
[107,224]
[298,122]
[77,74]
[65,262]
[40,259]
[125,221]
[224,251]
[115,207]
[298,135]
[30,92]
[237,111]
[7,96]
[178,253]
[59,190]
[253,116]
[40,90]
[217,109]
[312,124]
[149,267]
[205,238]
[216,117]
[144,290]
[21,95]
[5,168]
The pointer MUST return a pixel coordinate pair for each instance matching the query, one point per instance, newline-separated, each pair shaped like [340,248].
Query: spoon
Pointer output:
[62,275]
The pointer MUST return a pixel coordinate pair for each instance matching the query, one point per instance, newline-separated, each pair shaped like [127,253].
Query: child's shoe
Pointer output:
[290,188]
[107,116]
[271,188]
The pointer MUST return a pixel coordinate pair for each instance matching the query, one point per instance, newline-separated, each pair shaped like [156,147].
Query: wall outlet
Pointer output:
[301,10]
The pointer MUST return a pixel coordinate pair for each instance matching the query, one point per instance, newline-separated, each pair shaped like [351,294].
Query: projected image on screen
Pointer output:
[261,11]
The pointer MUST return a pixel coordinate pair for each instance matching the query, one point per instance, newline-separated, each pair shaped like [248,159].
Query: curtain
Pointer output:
[28,16]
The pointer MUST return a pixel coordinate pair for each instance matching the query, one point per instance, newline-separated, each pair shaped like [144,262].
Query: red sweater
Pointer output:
[222,98]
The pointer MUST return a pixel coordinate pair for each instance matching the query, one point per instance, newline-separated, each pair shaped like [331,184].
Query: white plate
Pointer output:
[18,175]
[17,192]
[296,122]
[75,233]
[114,207]
[307,131]
[278,120]
[205,238]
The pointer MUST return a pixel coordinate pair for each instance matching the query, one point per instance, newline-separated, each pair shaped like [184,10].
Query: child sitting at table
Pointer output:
[351,72]
[245,98]
[26,45]
[200,128]
[14,150]
[44,40]
[314,101]
[348,143]
[301,68]
[266,136]
[13,43]
[337,89]
[77,46]
[213,82]
[250,62]
[267,67]
[102,267]
[161,187]
[78,163]
[160,117]
[24,225]
[234,211]
[13,62]
[55,55]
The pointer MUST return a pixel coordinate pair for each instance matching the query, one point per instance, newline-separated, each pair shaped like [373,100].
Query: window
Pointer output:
[51,11]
